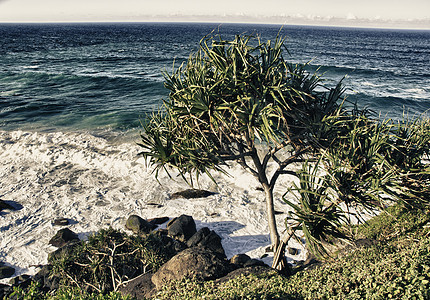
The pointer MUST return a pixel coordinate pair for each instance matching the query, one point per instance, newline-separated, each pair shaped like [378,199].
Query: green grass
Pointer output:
[64,293]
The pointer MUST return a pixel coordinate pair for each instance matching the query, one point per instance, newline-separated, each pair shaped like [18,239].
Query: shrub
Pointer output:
[109,259]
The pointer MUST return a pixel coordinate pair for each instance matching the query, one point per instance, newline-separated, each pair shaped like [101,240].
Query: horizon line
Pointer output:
[309,24]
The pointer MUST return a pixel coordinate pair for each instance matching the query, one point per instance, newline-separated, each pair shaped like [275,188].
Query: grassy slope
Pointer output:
[397,267]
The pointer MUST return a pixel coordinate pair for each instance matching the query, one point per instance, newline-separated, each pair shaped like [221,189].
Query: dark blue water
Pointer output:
[56,77]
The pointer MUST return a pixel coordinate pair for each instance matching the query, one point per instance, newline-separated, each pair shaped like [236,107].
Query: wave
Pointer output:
[369,72]
[38,99]
[391,106]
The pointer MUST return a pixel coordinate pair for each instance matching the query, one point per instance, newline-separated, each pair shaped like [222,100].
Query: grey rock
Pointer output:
[139,288]
[46,279]
[198,237]
[200,262]
[61,222]
[192,193]
[209,239]
[5,205]
[182,228]
[22,281]
[171,246]
[239,259]
[66,250]
[138,225]
[158,221]
[253,262]
[63,237]
[6,271]
[171,222]
[293,251]
[155,205]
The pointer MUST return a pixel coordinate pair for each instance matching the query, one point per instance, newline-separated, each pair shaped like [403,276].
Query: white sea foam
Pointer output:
[372,84]
[98,184]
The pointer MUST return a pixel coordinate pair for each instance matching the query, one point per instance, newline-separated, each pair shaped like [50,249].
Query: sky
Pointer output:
[367,13]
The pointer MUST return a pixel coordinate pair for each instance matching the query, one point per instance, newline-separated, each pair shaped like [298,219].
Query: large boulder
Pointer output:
[209,239]
[200,262]
[138,225]
[140,287]
[182,228]
[63,237]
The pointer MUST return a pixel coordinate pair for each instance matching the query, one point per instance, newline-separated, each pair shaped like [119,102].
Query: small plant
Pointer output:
[315,212]
[108,260]
[368,165]
[33,292]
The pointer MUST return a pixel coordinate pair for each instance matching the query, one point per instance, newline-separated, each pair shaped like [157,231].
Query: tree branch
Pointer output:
[243,163]
[272,153]
[236,157]
[288,172]
[293,158]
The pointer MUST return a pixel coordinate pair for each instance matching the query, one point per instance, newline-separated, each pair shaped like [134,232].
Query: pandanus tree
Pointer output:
[240,100]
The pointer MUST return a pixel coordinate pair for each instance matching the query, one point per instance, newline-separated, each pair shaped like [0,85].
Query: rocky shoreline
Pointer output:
[197,254]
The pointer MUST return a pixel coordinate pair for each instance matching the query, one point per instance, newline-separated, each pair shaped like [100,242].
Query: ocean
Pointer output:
[107,77]
[72,97]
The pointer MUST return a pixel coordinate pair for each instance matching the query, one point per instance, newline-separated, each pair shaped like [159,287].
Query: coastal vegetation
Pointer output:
[395,265]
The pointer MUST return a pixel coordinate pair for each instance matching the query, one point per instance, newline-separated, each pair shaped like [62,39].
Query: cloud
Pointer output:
[351,16]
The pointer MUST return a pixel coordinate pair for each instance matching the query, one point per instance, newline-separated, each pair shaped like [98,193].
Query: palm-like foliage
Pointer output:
[228,96]
[368,162]
[232,96]
[371,161]
[315,211]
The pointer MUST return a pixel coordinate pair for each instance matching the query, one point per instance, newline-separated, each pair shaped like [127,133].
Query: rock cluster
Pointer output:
[203,258]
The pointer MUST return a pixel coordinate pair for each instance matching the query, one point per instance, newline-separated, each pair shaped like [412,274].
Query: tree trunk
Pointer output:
[274,235]
[279,261]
